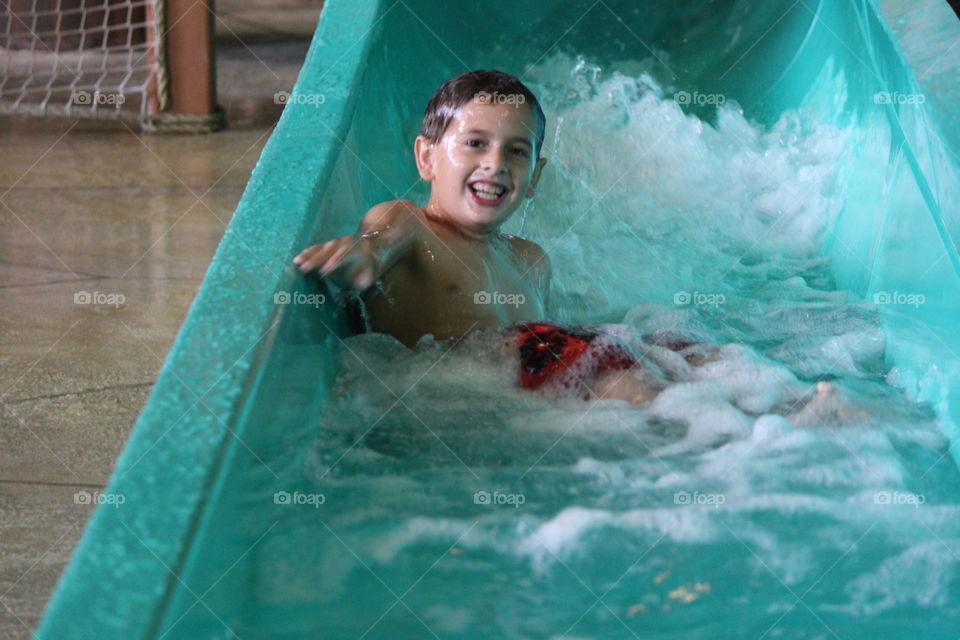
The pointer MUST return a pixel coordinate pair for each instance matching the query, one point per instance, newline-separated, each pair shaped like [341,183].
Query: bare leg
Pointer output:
[825,409]
[631,386]
[698,360]
[695,353]
[624,385]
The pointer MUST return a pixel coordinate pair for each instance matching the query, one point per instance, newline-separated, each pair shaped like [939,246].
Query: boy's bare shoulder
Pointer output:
[530,251]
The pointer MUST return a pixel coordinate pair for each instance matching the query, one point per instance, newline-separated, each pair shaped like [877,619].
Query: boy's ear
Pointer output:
[423,151]
[536,177]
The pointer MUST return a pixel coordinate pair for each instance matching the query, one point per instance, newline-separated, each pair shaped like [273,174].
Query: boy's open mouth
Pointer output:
[486,193]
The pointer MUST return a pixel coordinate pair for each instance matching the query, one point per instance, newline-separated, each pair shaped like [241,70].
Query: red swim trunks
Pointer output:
[566,356]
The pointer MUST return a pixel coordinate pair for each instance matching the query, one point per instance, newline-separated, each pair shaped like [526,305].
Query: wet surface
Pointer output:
[105,237]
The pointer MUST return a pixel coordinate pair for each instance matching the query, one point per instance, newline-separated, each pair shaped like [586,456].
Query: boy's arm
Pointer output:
[386,233]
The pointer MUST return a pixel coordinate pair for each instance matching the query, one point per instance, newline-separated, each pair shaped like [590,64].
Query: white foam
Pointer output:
[670,203]
[922,575]
[561,535]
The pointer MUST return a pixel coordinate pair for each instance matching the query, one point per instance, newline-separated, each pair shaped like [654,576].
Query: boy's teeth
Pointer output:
[487,191]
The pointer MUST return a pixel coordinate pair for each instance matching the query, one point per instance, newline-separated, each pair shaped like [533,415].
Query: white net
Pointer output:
[82,58]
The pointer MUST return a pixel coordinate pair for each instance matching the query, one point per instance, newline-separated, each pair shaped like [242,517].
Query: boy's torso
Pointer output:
[448,284]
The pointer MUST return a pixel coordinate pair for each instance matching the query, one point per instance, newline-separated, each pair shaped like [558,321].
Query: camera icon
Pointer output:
[682,97]
[81,297]
[281,497]
[682,497]
[681,297]
[881,97]
[81,97]
[281,297]
[481,497]
[281,97]
[482,297]
[82,497]
[881,297]
[482,97]
[881,497]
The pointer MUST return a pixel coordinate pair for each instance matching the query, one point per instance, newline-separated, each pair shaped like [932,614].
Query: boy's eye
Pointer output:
[474,142]
[520,151]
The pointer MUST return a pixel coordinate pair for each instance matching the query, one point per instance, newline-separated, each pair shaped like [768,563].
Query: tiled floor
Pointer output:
[105,236]
[129,223]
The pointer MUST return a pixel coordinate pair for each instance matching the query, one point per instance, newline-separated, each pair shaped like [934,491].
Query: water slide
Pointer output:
[206,544]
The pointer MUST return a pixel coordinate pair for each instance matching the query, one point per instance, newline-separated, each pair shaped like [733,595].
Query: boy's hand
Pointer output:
[347,261]
[387,232]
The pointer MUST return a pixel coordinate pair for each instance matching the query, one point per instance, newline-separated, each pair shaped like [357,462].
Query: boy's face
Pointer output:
[483,166]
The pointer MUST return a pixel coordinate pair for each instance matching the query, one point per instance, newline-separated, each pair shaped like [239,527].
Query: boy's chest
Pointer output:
[441,274]
[445,270]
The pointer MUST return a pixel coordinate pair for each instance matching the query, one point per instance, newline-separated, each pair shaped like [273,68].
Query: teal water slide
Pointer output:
[235,403]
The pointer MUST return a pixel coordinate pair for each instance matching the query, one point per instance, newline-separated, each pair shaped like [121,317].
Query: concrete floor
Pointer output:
[100,209]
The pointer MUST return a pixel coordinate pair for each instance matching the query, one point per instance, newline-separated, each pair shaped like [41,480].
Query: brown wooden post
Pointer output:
[153,36]
[191,72]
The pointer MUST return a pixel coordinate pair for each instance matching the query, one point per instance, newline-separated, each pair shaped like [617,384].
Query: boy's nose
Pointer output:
[494,161]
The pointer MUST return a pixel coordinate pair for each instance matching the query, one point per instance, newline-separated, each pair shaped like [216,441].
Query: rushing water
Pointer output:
[456,503]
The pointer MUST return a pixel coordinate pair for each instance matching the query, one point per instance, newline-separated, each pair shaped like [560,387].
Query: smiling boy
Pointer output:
[446,269]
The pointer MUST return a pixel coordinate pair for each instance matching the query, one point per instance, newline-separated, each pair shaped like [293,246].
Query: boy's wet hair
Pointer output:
[490,85]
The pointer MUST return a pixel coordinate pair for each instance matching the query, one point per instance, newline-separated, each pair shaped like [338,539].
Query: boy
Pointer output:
[445,269]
